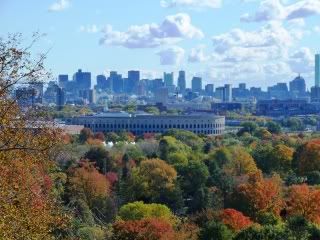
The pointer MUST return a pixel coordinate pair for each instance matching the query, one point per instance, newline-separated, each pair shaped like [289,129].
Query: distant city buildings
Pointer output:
[196,84]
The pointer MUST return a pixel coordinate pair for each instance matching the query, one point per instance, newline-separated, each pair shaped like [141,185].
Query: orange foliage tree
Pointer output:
[304,201]
[86,182]
[262,194]
[235,219]
[307,157]
[28,207]
[144,229]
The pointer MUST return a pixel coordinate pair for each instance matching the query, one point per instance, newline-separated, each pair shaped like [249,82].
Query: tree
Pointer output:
[235,219]
[193,179]
[304,201]
[151,180]
[281,158]
[262,194]
[145,229]
[307,157]
[242,163]
[89,190]
[100,156]
[85,135]
[169,145]
[273,127]
[140,210]
[29,209]
[215,231]
[248,127]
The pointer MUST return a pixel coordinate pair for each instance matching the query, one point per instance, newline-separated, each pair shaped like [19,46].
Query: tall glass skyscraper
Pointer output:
[182,81]
[317,71]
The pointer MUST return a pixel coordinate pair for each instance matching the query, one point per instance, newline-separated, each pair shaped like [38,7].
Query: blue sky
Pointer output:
[224,41]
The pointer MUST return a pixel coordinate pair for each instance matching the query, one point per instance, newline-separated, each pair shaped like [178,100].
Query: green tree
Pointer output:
[140,210]
[273,127]
[215,231]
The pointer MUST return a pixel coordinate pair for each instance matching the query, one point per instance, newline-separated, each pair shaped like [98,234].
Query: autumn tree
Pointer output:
[28,207]
[307,157]
[140,210]
[242,163]
[304,201]
[89,192]
[145,229]
[234,219]
[262,194]
[85,135]
[153,181]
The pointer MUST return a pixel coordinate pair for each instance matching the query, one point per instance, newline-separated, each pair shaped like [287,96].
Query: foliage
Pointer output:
[303,201]
[235,219]
[140,210]
[262,194]
[145,229]
[215,231]
[307,157]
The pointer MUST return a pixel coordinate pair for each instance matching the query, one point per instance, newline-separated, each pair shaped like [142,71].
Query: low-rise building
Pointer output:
[141,123]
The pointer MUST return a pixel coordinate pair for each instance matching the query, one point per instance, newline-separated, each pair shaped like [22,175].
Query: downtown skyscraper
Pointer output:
[317,70]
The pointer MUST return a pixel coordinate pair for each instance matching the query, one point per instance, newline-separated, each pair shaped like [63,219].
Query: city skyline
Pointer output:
[257,42]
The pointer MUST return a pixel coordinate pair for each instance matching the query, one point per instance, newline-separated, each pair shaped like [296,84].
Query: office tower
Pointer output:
[116,82]
[82,79]
[209,89]
[182,81]
[161,95]
[156,84]
[219,94]
[279,91]
[227,93]
[168,79]
[242,86]
[196,84]
[317,70]
[60,98]
[102,82]
[133,81]
[297,87]
[63,80]
[92,96]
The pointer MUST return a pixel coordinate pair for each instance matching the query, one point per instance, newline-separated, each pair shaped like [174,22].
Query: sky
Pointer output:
[259,42]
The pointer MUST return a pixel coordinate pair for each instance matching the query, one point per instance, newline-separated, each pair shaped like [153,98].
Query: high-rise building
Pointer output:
[102,82]
[297,87]
[133,81]
[227,93]
[60,98]
[196,84]
[224,93]
[63,80]
[116,82]
[317,70]
[82,79]
[209,89]
[242,86]
[168,79]
[161,95]
[182,81]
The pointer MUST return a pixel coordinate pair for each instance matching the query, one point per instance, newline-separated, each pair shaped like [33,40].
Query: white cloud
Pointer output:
[191,3]
[173,29]
[273,35]
[90,28]
[264,54]
[302,61]
[198,55]
[277,10]
[171,56]
[59,5]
